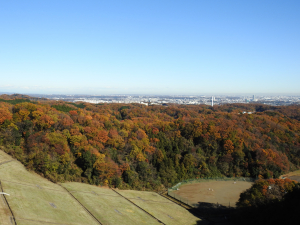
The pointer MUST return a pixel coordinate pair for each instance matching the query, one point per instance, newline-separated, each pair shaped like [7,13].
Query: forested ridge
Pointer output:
[142,147]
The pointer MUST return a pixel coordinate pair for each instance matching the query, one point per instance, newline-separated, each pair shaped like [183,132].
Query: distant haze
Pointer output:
[150,47]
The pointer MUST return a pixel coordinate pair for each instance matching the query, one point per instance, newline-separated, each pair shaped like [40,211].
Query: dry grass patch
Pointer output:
[161,208]
[107,206]
[33,222]
[75,186]
[32,203]
[221,192]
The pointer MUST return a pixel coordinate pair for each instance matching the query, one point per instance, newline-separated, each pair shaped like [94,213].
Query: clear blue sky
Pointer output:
[150,47]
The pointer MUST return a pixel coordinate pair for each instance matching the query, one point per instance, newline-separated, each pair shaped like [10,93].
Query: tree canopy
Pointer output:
[149,147]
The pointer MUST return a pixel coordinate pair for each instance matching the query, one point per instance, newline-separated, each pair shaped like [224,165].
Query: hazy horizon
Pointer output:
[148,94]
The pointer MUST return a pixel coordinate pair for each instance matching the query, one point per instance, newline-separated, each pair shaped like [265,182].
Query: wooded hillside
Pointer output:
[149,147]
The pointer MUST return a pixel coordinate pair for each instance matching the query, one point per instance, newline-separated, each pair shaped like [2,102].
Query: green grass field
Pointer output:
[160,207]
[31,202]
[107,206]
[31,222]
[14,171]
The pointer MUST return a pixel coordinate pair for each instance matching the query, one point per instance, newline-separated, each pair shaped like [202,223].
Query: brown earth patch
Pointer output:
[218,192]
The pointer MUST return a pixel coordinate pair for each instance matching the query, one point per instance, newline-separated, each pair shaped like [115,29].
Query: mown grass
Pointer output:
[31,195]
[14,171]
[31,202]
[75,186]
[30,222]
[159,207]
[107,206]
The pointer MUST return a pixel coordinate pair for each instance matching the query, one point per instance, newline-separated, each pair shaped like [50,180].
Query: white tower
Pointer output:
[212,101]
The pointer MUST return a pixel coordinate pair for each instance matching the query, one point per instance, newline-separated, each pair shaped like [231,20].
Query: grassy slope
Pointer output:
[31,202]
[4,212]
[107,206]
[161,208]
[31,195]
[14,171]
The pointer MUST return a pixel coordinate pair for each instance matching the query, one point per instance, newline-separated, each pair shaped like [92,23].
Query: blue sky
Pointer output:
[150,47]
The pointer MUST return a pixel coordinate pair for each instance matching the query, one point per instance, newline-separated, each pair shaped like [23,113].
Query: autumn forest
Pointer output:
[133,146]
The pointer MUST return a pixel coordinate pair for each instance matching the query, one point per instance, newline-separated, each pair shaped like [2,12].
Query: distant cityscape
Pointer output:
[177,99]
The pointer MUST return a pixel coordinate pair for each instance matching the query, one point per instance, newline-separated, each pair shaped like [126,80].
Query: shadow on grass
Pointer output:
[284,212]
[211,213]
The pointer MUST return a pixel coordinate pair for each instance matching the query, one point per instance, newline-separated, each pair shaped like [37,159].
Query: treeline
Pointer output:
[149,147]
[268,202]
